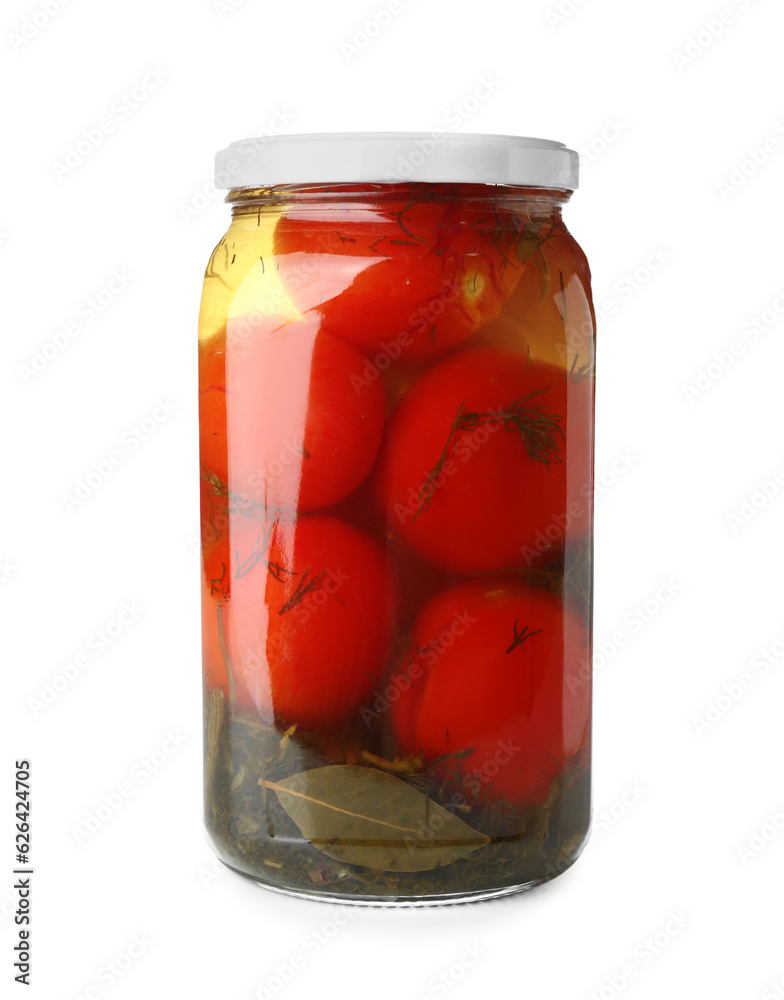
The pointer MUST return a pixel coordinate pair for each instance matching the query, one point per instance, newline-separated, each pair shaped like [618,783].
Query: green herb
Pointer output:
[530,244]
[210,271]
[561,301]
[304,587]
[399,217]
[224,650]
[540,432]
[258,550]
[568,576]
[216,711]
[254,834]
[400,765]
[579,372]
[276,570]
[215,582]
[243,505]
[366,817]
[428,487]
[520,637]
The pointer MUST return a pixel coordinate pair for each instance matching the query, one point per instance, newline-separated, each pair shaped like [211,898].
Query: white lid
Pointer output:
[392,157]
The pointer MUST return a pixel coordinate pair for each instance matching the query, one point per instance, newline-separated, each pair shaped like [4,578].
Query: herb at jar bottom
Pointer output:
[396,501]
[267,790]
[372,819]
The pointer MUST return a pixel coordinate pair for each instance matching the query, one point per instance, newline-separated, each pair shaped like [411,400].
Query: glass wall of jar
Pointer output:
[396,424]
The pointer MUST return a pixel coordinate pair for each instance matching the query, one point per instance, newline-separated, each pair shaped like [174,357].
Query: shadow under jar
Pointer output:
[396,386]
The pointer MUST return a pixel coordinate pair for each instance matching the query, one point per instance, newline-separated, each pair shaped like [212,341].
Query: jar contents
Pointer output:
[396,421]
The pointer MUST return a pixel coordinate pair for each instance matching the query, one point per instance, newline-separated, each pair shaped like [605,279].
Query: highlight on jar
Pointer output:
[396,392]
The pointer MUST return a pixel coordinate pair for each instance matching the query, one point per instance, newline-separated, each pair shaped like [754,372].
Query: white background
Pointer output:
[688,760]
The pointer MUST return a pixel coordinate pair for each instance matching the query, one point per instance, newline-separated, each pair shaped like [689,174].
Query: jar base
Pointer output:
[355,899]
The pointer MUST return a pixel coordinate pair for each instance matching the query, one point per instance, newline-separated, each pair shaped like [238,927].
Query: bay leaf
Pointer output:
[528,241]
[216,712]
[362,816]
[530,246]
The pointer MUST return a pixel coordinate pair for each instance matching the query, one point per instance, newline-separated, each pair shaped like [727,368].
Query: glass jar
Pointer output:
[396,382]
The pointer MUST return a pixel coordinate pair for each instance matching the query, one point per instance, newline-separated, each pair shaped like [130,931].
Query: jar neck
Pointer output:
[530,200]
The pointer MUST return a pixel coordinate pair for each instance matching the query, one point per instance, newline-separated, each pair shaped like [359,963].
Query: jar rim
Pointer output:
[396,157]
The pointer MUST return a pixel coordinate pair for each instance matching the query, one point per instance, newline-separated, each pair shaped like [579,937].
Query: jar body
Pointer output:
[396,445]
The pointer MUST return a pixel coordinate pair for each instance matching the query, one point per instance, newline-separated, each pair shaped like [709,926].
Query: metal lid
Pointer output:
[394,157]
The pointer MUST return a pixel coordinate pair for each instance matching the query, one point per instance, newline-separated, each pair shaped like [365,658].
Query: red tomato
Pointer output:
[287,419]
[405,279]
[307,613]
[473,472]
[497,672]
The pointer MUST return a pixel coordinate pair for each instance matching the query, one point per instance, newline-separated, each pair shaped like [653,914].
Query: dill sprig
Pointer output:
[540,432]
[260,547]
[520,635]
[304,587]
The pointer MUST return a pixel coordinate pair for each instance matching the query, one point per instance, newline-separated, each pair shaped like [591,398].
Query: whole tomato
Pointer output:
[486,461]
[486,685]
[286,418]
[302,611]
[409,279]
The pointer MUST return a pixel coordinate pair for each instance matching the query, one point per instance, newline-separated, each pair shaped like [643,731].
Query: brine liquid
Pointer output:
[396,425]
